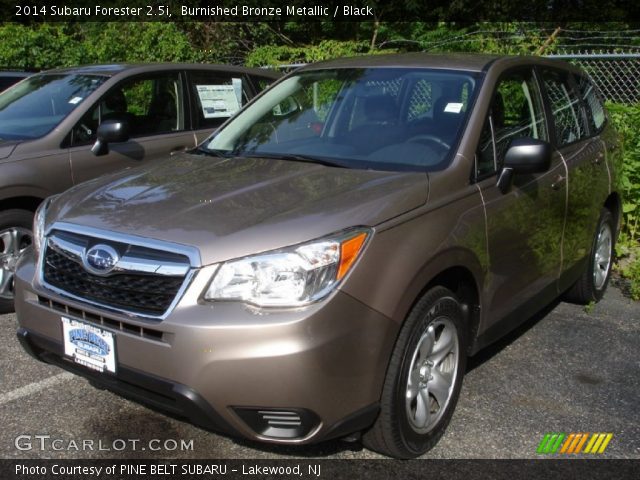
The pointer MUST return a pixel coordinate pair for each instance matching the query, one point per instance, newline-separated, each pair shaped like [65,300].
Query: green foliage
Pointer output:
[588,308]
[325,50]
[59,44]
[632,272]
[627,121]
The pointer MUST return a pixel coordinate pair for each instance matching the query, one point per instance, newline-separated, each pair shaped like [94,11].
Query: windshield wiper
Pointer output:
[210,153]
[294,157]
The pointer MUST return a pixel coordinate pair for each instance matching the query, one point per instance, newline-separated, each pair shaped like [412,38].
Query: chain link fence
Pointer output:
[617,75]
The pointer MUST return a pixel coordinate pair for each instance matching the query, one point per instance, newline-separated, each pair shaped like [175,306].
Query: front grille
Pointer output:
[136,292]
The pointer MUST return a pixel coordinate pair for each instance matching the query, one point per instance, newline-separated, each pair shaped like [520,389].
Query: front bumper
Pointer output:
[215,364]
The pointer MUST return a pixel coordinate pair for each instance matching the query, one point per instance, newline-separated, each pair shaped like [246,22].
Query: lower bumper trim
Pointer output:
[173,398]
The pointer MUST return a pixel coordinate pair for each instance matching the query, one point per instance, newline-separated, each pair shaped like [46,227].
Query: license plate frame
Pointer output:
[88,345]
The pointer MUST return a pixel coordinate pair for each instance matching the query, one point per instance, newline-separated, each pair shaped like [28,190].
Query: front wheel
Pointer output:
[593,282]
[15,237]
[424,378]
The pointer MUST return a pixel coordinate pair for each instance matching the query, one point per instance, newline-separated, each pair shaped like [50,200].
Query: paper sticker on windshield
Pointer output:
[453,107]
[218,100]
[75,100]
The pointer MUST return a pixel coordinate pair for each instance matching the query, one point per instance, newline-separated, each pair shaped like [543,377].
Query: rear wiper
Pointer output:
[294,157]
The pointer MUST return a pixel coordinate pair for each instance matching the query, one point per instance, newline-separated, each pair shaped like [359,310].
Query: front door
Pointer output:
[155,109]
[524,224]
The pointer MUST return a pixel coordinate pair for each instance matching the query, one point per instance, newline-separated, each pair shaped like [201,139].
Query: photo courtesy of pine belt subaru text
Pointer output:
[323,265]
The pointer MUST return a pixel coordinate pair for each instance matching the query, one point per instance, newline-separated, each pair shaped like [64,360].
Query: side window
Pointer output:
[151,105]
[592,102]
[565,105]
[516,111]
[216,98]
[485,155]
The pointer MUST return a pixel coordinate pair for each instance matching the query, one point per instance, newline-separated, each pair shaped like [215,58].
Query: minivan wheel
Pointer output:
[15,238]
[423,379]
[593,282]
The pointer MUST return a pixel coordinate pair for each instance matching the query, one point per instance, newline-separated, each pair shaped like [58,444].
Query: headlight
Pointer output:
[289,277]
[38,223]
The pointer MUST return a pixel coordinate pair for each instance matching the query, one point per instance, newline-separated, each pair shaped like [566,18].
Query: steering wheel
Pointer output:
[430,138]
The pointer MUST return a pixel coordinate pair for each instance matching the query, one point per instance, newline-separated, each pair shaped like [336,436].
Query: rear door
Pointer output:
[155,107]
[524,224]
[588,183]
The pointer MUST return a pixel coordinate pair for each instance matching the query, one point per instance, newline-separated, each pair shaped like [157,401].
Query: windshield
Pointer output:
[375,118]
[37,105]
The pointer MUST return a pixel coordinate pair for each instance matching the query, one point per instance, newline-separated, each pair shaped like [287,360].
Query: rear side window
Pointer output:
[570,125]
[216,97]
[592,103]
[260,83]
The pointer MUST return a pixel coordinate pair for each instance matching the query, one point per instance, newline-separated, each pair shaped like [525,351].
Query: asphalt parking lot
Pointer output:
[569,369]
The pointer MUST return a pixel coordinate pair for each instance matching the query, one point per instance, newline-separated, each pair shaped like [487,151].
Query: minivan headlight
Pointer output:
[291,276]
[38,222]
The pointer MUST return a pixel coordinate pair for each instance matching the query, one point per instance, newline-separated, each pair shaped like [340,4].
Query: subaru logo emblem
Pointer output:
[100,259]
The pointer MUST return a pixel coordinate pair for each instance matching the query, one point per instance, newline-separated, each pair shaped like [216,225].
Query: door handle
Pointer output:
[559,181]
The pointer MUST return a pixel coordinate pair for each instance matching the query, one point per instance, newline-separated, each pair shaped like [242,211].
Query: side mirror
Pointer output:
[286,107]
[524,156]
[110,131]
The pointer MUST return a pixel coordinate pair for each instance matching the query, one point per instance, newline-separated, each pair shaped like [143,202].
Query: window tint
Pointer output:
[216,98]
[592,102]
[565,106]
[151,105]
[516,111]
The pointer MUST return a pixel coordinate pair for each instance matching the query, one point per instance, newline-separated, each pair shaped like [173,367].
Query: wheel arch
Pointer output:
[459,271]
[27,202]
[614,204]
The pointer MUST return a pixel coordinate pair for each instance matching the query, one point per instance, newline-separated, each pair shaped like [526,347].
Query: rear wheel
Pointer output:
[593,282]
[15,237]
[424,378]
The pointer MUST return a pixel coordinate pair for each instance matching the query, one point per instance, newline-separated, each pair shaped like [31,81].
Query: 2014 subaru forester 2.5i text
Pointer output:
[324,264]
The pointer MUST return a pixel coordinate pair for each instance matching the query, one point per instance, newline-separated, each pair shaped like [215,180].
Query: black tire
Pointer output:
[393,433]
[587,289]
[15,218]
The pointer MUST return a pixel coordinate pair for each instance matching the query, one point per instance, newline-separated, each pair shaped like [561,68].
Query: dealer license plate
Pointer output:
[90,346]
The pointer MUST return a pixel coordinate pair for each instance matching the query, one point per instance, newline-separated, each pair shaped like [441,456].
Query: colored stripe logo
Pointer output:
[573,443]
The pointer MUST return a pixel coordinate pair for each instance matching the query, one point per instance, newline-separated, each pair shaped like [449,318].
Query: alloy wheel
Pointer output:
[432,375]
[13,241]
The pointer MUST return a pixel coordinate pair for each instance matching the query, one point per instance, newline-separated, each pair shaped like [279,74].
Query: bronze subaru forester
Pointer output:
[323,265]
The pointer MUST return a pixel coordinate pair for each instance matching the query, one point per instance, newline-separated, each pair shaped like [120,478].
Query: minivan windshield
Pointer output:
[34,107]
[369,118]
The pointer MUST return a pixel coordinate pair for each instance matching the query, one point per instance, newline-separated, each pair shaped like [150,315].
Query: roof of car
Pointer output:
[14,74]
[455,61]
[116,68]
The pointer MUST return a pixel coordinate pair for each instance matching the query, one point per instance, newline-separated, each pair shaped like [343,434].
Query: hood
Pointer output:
[229,208]
[7,148]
